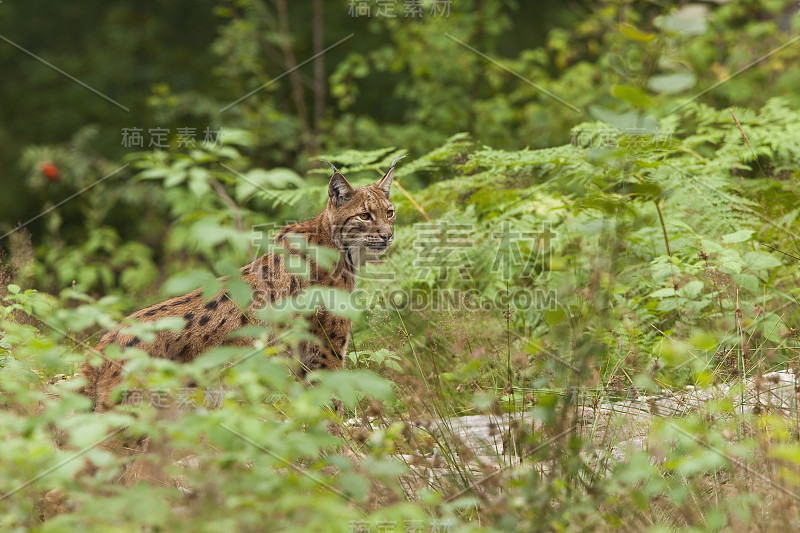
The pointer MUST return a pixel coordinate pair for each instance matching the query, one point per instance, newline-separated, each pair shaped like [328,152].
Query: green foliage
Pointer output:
[553,257]
[624,260]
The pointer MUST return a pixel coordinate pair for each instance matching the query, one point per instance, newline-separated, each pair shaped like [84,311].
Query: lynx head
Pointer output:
[361,220]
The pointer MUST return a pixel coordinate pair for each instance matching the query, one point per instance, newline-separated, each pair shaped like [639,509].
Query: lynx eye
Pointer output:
[364,216]
[390,213]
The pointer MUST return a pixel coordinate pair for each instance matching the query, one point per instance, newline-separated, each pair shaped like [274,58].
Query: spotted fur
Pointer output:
[358,223]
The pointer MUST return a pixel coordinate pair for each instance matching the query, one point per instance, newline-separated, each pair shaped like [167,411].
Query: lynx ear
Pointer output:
[385,183]
[339,190]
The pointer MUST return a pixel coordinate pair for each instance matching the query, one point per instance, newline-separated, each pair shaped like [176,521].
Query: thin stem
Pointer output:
[223,194]
[663,227]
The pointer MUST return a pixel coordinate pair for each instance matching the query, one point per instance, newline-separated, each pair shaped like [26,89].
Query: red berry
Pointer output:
[51,171]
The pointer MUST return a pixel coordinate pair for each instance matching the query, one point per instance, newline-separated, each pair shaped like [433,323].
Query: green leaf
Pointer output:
[345,385]
[663,293]
[671,83]
[191,280]
[624,121]
[635,34]
[633,95]
[235,136]
[153,173]
[739,236]
[691,289]
[785,451]
[209,232]
[747,282]
[240,292]
[651,191]
[760,261]
[266,181]
[555,316]
[704,340]
[174,177]
[199,187]
[773,327]
[355,485]
[690,19]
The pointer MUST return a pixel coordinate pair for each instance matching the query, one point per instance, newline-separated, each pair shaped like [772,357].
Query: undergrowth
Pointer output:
[542,298]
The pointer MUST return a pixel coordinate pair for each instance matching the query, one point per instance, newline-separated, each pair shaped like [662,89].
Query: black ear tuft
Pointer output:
[329,163]
[396,159]
[385,183]
[339,190]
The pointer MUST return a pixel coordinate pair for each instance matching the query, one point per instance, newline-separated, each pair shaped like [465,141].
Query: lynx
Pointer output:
[358,223]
